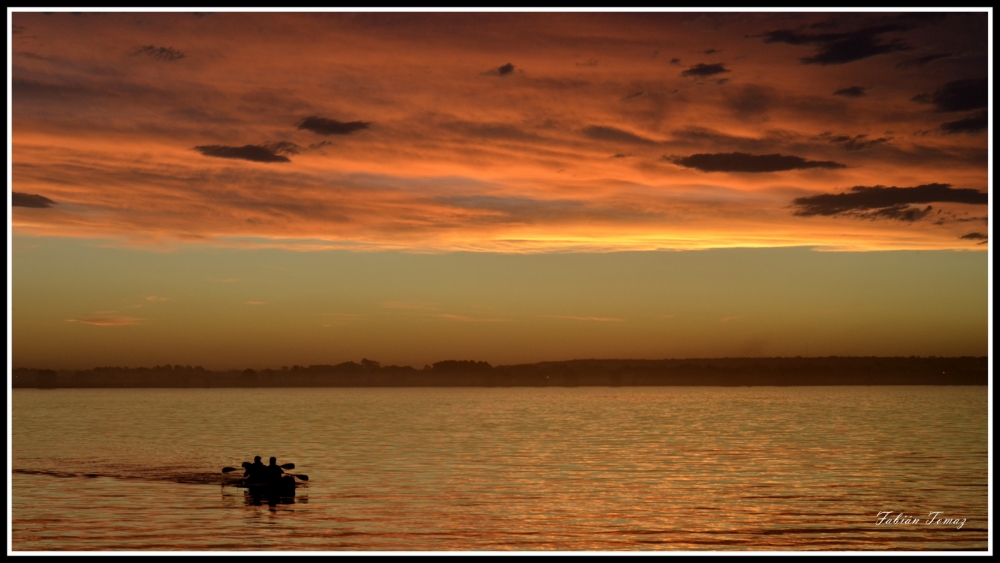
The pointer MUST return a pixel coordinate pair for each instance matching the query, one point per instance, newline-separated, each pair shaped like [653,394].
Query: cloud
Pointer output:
[712,51]
[746,162]
[461,161]
[283,147]
[841,48]
[17,199]
[702,69]
[851,92]
[960,95]
[922,61]
[975,236]
[107,321]
[502,70]
[856,142]
[324,126]
[601,133]
[168,54]
[675,61]
[898,212]
[974,124]
[881,202]
[254,153]
[157,298]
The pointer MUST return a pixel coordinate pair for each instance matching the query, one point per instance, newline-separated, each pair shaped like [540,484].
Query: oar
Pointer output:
[300,476]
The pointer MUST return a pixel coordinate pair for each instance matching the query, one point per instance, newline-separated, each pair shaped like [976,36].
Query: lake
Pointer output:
[504,469]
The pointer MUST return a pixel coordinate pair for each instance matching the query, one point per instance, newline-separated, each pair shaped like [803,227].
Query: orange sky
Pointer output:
[499,131]
[266,189]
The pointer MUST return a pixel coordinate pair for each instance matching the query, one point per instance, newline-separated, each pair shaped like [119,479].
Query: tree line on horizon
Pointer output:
[831,370]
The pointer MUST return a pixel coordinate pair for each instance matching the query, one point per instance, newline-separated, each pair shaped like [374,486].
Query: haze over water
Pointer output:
[595,468]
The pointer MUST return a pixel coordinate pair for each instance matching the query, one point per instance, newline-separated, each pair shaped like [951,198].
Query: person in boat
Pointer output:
[256,472]
[273,471]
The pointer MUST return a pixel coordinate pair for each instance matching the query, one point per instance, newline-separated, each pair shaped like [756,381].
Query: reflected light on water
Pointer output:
[570,469]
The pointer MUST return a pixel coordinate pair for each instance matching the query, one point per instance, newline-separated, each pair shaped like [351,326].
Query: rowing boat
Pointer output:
[282,488]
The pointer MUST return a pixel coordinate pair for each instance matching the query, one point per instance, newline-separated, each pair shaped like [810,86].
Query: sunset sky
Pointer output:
[265,189]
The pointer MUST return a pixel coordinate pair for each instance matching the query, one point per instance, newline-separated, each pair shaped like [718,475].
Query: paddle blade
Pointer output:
[228,469]
[303,477]
[288,466]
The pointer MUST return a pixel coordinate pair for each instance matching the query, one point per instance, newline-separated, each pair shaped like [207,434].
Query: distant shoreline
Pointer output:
[722,372]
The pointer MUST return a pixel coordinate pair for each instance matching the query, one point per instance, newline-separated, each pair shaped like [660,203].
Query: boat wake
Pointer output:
[174,474]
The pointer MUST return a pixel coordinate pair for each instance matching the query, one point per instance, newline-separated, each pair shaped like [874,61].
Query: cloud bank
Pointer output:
[881,202]
[253,153]
[18,199]
[755,163]
[324,126]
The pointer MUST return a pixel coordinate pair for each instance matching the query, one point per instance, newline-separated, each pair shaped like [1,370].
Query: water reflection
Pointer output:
[255,496]
[259,498]
[505,469]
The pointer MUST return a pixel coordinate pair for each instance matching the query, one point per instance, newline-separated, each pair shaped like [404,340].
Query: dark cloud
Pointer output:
[922,61]
[897,212]
[252,153]
[702,69]
[318,145]
[712,51]
[283,147]
[590,62]
[600,133]
[632,96]
[840,48]
[746,162]
[505,69]
[972,124]
[19,199]
[856,142]
[675,61]
[975,236]
[168,54]
[881,202]
[325,126]
[851,92]
[960,95]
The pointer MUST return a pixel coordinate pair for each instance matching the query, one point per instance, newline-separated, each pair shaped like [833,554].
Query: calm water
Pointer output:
[632,468]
